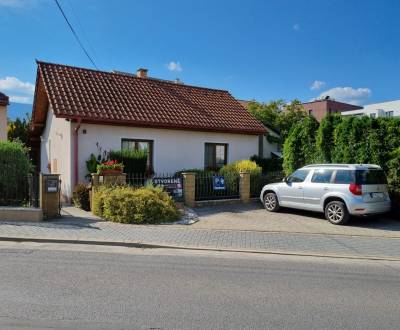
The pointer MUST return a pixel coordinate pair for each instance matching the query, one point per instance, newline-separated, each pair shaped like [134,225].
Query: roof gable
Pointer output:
[115,98]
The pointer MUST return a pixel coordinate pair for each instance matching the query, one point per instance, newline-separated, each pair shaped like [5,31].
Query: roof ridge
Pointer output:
[127,74]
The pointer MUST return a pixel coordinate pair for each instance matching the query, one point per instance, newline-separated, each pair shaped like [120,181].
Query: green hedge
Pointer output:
[129,205]
[346,139]
[15,166]
[135,161]
[268,164]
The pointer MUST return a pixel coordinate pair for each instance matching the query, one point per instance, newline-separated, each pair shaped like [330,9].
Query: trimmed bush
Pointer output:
[144,205]
[238,166]
[14,158]
[98,197]
[80,196]
[232,171]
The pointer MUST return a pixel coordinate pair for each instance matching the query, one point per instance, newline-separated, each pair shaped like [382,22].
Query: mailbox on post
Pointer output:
[52,185]
[50,190]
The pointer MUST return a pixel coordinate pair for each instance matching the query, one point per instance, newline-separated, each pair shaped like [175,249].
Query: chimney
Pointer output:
[141,73]
[3,116]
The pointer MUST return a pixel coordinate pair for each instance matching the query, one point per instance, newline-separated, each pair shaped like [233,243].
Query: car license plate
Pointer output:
[377,195]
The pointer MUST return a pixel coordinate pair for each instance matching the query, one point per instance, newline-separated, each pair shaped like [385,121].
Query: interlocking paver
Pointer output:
[72,229]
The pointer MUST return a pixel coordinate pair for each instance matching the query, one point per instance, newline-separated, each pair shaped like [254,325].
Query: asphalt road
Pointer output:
[68,287]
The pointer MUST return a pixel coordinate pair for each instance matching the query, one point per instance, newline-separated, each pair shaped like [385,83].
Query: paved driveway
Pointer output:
[254,217]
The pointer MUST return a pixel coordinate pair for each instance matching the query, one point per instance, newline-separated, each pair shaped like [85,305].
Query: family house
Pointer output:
[4,101]
[180,126]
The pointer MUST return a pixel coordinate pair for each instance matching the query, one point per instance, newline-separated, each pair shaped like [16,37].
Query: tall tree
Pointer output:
[19,129]
[278,115]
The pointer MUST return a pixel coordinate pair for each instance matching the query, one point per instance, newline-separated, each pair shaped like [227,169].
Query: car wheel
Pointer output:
[271,203]
[336,212]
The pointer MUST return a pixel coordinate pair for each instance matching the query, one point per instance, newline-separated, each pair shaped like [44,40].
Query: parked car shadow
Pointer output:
[379,222]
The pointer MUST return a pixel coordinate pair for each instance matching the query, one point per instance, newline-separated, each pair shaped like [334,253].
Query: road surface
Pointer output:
[88,287]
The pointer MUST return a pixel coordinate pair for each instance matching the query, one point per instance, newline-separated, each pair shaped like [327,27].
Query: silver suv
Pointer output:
[338,190]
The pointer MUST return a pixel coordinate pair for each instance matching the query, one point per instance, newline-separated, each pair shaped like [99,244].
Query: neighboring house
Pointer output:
[267,147]
[321,108]
[3,116]
[180,126]
[384,109]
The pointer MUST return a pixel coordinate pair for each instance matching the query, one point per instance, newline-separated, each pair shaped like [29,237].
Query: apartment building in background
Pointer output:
[384,109]
[321,108]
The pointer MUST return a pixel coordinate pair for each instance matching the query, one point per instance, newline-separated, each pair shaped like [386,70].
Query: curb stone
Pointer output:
[196,248]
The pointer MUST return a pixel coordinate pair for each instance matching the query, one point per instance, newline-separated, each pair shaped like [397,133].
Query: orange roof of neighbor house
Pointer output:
[3,99]
[123,99]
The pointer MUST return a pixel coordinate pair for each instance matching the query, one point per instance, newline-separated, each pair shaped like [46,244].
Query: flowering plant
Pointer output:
[110,165]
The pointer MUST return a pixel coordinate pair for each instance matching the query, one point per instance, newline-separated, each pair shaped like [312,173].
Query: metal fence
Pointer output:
[19,190]
[258,182]
[171,183]
[211,186]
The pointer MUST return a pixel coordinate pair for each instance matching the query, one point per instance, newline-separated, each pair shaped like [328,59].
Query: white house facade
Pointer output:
[384,109]
[77,111]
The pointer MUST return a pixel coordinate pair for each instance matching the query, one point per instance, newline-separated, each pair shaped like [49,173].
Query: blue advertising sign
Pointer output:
[218,182]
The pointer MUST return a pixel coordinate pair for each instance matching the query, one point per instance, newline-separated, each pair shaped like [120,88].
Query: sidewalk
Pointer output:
[80,228]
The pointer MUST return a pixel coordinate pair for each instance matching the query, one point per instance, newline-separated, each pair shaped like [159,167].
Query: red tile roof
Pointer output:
[122,99]
[3,99]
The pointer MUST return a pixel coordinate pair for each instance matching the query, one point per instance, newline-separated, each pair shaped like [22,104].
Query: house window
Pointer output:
[310,112]
[137,144]
[389,114]
[215,155]
[372,115]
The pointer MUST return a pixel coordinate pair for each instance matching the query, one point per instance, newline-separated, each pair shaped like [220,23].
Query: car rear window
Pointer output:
[344,177]
[370,177]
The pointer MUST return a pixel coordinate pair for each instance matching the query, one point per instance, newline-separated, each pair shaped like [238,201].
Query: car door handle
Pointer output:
[326,188]
[299,187]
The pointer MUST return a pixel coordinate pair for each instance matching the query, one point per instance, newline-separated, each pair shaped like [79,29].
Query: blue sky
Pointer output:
[256,49]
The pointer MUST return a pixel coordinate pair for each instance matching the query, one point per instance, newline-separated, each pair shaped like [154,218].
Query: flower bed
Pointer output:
[110,167]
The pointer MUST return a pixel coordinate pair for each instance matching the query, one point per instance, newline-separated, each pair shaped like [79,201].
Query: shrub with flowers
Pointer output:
[111,165]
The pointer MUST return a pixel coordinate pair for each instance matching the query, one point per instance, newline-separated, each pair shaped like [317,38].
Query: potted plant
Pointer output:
[110,167]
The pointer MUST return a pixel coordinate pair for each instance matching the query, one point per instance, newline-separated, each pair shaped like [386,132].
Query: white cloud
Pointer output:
[13,3]
[17,90]
[21,99]
[317,84]
[174,66]
[296,27]
[350,95]
[20,4]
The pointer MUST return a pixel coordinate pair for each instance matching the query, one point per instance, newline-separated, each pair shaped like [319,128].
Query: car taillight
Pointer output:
[355,189]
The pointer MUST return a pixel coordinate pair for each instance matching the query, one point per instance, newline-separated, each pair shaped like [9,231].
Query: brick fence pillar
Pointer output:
[244,187]
[49,195]
[189,189]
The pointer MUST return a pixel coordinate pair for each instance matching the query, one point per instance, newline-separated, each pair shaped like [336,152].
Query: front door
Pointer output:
[291,191]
